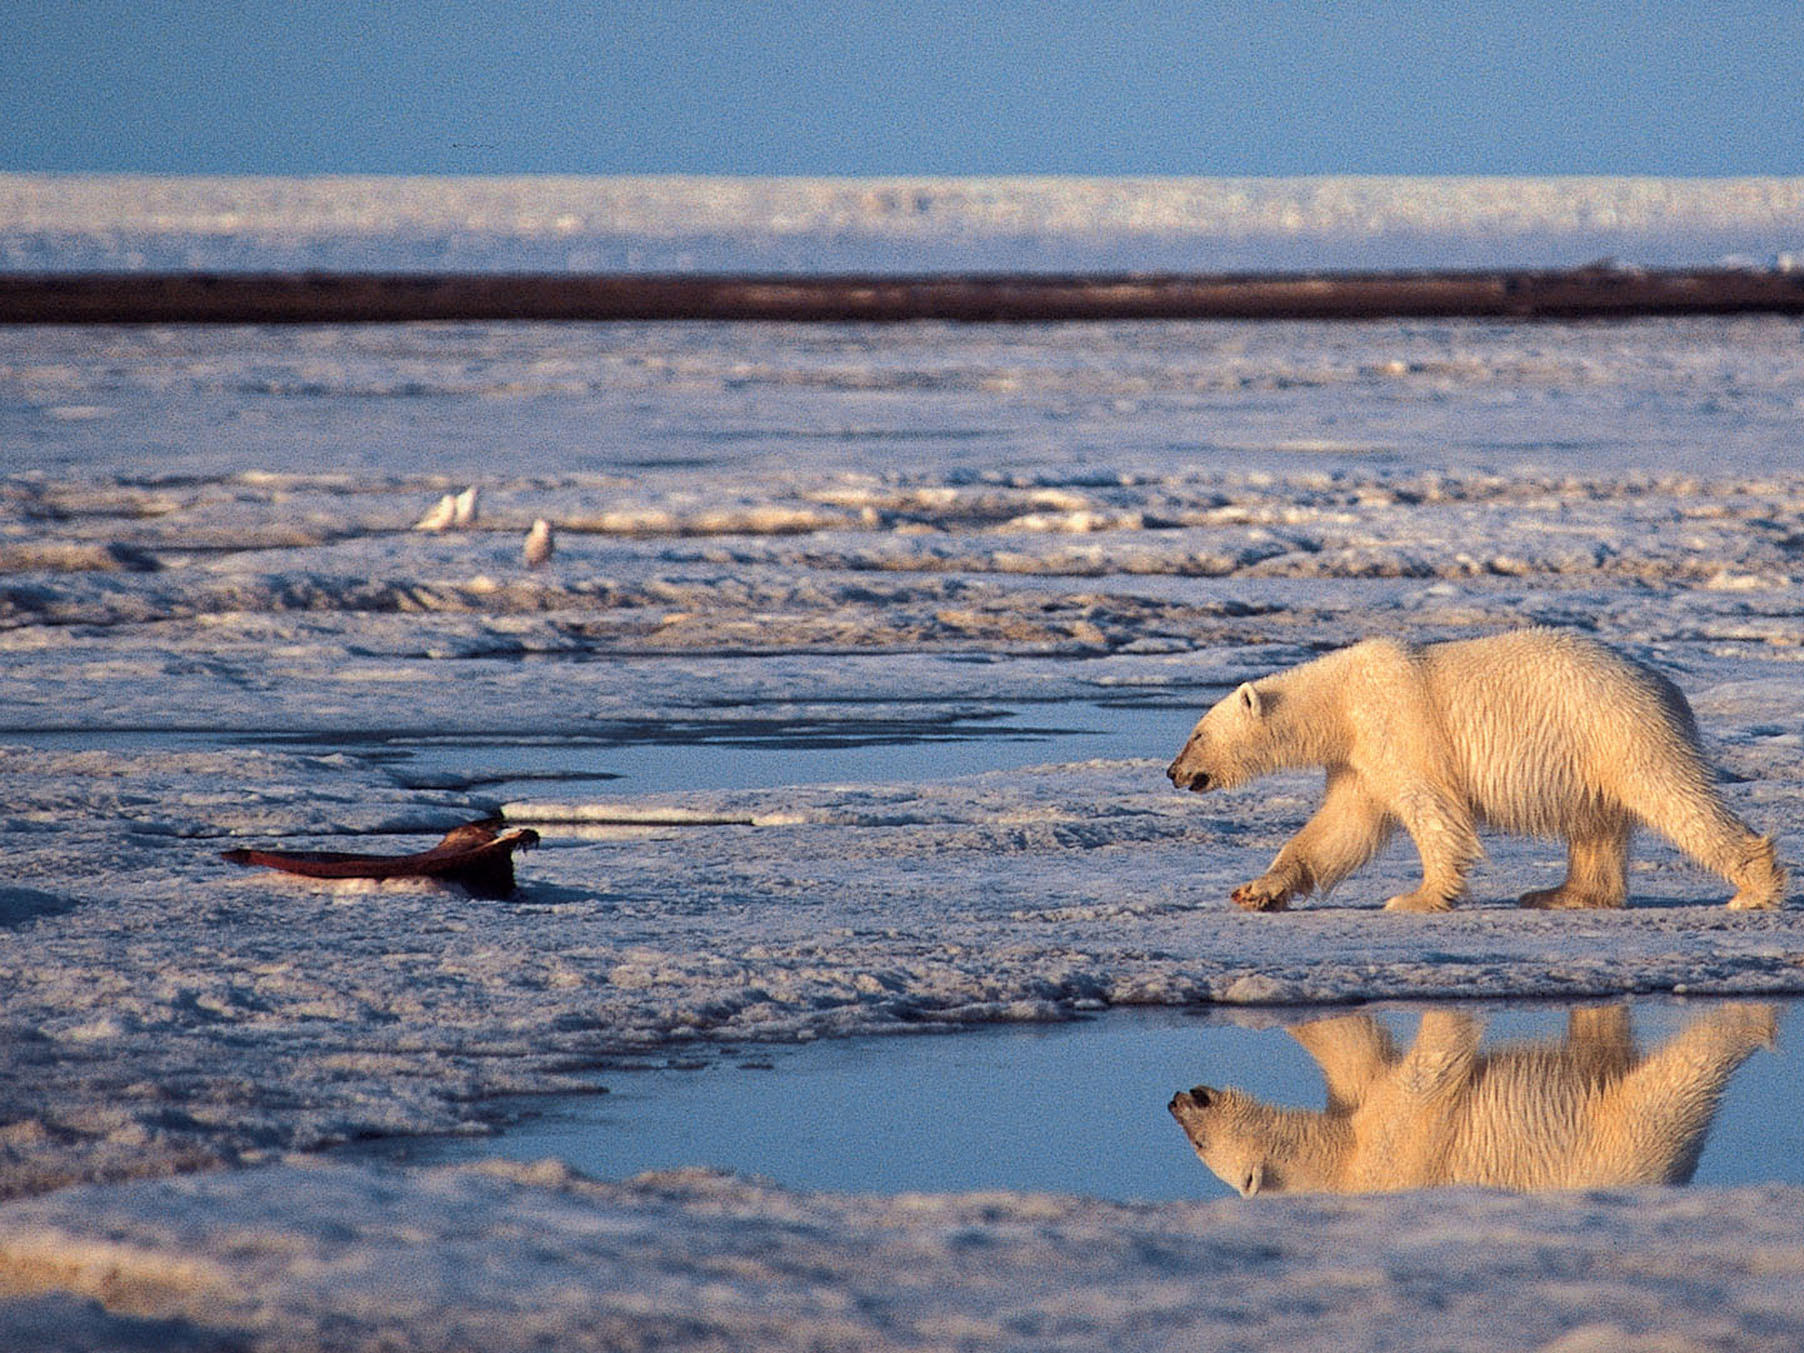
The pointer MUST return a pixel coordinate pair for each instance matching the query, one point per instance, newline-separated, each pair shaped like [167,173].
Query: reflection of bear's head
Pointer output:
[1230,745]
[1233,1134]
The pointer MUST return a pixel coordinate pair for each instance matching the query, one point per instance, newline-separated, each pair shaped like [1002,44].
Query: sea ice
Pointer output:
[218,630]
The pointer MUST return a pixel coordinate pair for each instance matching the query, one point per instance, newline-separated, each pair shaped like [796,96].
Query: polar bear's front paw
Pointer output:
[1418,902]
[1268,893]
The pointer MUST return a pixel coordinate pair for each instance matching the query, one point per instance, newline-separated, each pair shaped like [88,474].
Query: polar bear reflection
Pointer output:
[1586,1112]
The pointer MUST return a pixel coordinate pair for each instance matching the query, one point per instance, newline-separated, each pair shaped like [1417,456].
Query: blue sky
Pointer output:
[838,87]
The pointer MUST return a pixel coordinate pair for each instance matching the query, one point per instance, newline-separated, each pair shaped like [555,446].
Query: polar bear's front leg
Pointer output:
[1447,842]
[1346,831]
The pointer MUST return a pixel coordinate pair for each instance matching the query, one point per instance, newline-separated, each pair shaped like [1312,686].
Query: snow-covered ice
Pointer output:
[308,1255]
[218,627]
[543,222]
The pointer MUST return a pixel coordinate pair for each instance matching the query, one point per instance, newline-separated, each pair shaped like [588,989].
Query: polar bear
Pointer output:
[1588,1112]
[1539,732]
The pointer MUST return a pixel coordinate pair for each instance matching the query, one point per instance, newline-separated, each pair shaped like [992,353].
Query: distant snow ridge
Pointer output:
[60,222]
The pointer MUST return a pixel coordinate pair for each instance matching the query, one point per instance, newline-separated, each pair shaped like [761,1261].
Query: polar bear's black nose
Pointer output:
[1194,779]
[1199,1098]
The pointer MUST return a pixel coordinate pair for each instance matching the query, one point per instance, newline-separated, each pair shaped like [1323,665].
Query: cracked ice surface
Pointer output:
[206,554]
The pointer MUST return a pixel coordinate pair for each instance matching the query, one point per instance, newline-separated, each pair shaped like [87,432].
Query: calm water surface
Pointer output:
[1071,1108]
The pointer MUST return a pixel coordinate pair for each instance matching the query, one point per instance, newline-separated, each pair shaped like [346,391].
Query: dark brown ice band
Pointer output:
[345,298]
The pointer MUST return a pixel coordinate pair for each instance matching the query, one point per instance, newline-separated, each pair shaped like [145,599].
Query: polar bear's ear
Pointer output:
[1249,698]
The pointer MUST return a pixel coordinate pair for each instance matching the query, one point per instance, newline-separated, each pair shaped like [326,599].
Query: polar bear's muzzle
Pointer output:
[1198,1097]
[1197,781]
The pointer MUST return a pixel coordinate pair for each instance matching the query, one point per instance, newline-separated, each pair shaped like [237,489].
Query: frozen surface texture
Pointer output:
[216,624]
[520,1257]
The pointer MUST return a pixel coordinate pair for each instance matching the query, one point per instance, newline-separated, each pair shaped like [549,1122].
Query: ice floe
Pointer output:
[217,629]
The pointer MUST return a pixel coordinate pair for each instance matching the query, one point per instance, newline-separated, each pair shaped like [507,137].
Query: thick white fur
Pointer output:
[1539,732]
[1587,1112]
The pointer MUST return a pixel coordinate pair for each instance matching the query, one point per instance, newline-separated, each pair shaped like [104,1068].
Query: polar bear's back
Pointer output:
[1550,730]
[1532,1120]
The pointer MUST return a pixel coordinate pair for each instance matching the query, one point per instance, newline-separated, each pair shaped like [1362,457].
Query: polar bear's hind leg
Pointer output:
[1693,817]
[1596,870]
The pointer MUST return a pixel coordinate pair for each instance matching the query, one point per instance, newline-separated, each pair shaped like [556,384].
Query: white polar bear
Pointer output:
[1539,732]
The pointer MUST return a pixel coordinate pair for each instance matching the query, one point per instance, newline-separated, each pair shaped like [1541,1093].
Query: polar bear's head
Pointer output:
[1232,1133]
[1231,744]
